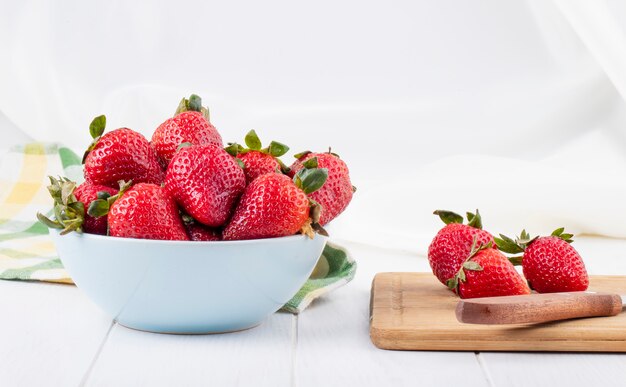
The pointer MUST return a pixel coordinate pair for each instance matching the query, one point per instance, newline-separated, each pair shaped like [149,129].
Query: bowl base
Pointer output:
[190,333]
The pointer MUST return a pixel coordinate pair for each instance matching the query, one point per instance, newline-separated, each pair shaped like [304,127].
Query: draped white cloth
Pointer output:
[515,108]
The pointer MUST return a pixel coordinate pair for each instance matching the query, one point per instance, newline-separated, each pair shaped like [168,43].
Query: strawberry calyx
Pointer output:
[454,282]
[520,243]
[310,180]
[102,205]
[69,213]
[511,246]
[559,233]
[473,220]
[193,103]
[253,143]
[96,129]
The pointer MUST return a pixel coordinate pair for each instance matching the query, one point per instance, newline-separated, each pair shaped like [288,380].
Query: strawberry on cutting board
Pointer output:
[189,124]
[143,211]
[550,263]
[453,243]
[336,194]
[273,205]
[487,273]
[121,154]
[206,182]
[257,160]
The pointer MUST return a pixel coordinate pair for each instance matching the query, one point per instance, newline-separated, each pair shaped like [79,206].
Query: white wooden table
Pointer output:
[52,335]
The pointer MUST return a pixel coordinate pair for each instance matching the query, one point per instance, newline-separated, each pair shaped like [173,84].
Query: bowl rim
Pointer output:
[184,243]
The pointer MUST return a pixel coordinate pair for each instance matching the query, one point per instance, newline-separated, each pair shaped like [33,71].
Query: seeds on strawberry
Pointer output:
[487,273]
[145,211]
[256,160]
[71,203]
[453,243]
[550,263]
[188,125]
[336,194]
[206,182]
[274,206]
[86,193]
[121,154]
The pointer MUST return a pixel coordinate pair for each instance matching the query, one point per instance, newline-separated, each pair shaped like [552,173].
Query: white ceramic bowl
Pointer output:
[188,287]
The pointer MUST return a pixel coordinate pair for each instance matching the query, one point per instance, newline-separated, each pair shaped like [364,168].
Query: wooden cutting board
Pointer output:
[413,311]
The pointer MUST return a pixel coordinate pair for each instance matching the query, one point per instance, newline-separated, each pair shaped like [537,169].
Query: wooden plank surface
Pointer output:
[260,356]
[49,334]
[334,349]
[414,311]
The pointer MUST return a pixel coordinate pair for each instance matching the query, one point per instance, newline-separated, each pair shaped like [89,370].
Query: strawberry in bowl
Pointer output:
[181,235]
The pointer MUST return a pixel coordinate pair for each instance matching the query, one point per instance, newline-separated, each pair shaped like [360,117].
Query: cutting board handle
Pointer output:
[537,308]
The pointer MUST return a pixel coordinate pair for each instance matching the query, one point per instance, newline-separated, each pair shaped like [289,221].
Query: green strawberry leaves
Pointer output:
[102,205]
[508,245]
[310,180]
[448,216]
[69,213]
[310,163]
[252,140]
[193,103]
[517,246]
[234,149]
[473,220]
[454,282]
[565,236]
[96,129]
[277,149]
[301,154]
[253,143]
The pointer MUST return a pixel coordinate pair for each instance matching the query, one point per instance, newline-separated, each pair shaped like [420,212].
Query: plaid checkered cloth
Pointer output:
[27,252]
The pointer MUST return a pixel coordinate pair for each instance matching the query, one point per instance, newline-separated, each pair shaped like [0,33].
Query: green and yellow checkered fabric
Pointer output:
[27,252]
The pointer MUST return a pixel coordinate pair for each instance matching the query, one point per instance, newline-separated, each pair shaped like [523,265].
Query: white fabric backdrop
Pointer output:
[511,107]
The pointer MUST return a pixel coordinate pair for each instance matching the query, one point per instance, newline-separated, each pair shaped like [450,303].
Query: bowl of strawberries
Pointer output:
[180,234]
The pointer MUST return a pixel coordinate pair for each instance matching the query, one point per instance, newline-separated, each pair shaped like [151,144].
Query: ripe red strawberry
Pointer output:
[550,263]
[206,182]
[70,204]
[86,193]
[257,161]
[188,125]
[122,154]
[274,206]
[336,194]
[453,243]
[487,273]
[143,211]
[200,232]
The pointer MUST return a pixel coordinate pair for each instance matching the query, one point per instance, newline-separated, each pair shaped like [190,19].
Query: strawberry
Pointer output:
[257,161]
[453,243]
[190,124]
[70,203]
[206,182]
[200,232]
[336,194]
[274,205]
[550,263]
[122,154]
[86,193]
[143,211]
[487,273]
